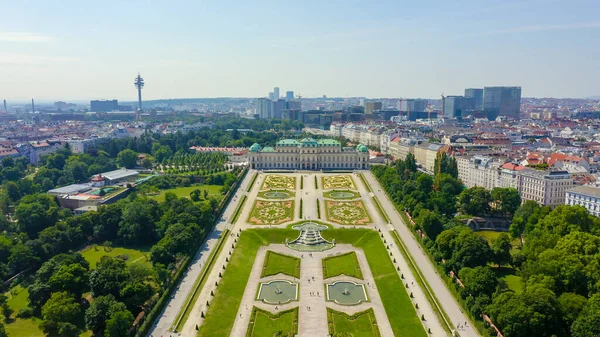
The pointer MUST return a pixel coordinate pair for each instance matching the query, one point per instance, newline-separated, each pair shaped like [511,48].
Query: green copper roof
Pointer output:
[268,149]
[328,142]
[361,148]
[255,147]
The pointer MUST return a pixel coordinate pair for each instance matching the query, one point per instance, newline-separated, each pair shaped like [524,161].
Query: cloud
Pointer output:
[26,59]
[533,28]
[25,37]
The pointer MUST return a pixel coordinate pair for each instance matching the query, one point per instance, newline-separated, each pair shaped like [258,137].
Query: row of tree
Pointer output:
[559,263]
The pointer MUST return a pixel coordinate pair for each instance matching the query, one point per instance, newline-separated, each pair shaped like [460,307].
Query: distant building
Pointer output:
[547,188]
[117,176]
[104,105]
[586,196]
[289,95]
[276,93]
[502,101]
[414,105]
[370,107]
[308,154]
[458,106]
[477,96]
[264,108]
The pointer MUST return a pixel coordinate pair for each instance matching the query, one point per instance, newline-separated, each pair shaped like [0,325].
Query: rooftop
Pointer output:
[120,173]
[586,190]
[71,189]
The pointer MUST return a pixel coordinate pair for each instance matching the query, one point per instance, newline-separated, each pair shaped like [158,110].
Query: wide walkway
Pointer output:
[167,318]
[437,285]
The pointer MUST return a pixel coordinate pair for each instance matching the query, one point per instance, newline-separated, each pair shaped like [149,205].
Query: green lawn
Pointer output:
[509,275]
[24,328]
[346,264]
[359,324]
[398,306]
[93,254]
[492,235]
[276,263]
[267,324]
[213,191]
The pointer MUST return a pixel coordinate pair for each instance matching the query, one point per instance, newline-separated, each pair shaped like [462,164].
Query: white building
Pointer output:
[586,196]
[479,171]
[547,188]
[308,154]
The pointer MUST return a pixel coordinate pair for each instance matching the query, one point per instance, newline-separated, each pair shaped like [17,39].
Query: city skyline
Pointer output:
[195,50]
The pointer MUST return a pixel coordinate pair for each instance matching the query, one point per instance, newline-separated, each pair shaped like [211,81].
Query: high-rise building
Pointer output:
[271,96]
[277,107]
[477,96]
[289,95]
[264,107]
[293,105]
[502,101]
[458,106]
[104,105]
[415,105]
[276,93]
[372,106]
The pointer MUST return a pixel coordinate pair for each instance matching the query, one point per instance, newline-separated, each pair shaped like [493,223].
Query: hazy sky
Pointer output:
[93,49]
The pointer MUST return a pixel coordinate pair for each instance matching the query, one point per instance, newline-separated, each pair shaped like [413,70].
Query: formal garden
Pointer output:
[222,312]
[271,212]
[361,324]
[347,212]
[265,324]
[276,263]
[275,181]
[276,194]
[344,264]
[338,181]
[341,194]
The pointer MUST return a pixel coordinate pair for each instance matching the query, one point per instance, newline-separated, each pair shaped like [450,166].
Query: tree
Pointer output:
[478,281]
[100,310]
[3,331]
[501,247]
[570,306]
[474,201]
[195,195]
[431,223]
[534,312]
[118,324]
[127,158]
[72,278]
[109,277]
[506,200]
[588,322]
[146,163]
[58,312]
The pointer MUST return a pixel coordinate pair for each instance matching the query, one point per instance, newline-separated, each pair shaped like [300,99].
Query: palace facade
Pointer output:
[308,154]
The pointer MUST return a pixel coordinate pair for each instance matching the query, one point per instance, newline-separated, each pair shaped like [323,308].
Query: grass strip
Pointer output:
[238,209]
[437,309]
[361,323]
[380,210]
[252,182]
[184,313]
[343,264]
[364,181]
[276,263]
[263,323]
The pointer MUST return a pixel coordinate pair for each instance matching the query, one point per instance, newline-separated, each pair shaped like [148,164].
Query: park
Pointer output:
[286,270]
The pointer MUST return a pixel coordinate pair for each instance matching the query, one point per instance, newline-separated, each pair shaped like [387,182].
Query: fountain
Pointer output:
[278,291]
[310,239]
[346,293]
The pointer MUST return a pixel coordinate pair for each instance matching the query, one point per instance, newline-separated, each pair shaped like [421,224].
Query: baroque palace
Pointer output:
[308,154]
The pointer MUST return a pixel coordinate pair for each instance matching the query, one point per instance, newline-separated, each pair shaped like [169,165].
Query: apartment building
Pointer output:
[586,196]
[478,171]
[547,188]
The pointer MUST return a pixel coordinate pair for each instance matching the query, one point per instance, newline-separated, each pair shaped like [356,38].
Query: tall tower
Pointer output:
[32,106]
[139,84]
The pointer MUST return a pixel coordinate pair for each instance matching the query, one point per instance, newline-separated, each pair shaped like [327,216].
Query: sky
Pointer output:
[80,50]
